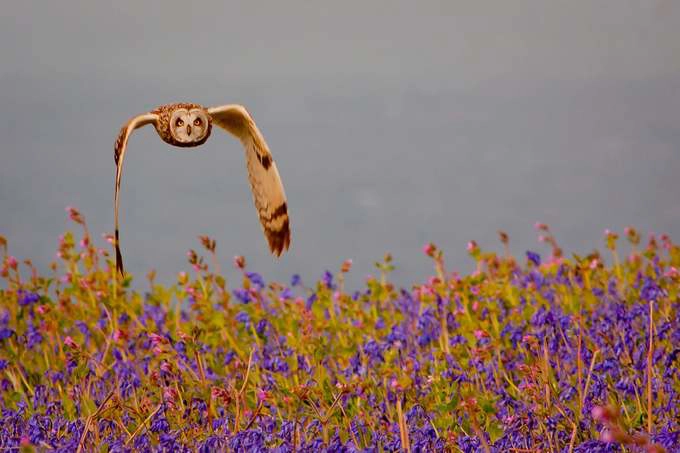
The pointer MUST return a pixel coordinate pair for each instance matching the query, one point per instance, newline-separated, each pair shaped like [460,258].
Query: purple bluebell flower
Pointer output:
[142,443]
[256,279]
[242,295]
[328,280]
[243,317]
[181,348]
[534,257]
[650,290]
[275,364]
[469,444]
[169,442]
[154,312]
[56,376]
[397,334]
[127,376]
[5,333]
[251,440]
[27,297]
[596,446]
[159,424]
[374,351]
[82,327]
[261,326]
[429,327]
[228,357]
[212,444]
[667,438]
[310,301]
[33,336]
[302,364]
[286,294]
[103,320]
[40,396]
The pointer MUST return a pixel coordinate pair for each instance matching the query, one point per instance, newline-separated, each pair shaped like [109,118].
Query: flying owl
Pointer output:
[188,125]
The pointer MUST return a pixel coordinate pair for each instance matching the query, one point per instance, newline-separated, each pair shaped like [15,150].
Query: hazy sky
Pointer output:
[392,124]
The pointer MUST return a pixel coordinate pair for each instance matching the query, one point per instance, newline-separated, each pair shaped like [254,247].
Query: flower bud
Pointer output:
[346,266]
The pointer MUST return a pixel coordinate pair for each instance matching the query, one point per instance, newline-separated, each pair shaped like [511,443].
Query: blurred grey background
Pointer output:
[393,123]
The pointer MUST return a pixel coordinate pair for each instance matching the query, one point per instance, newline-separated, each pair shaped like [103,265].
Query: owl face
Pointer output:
[189,126]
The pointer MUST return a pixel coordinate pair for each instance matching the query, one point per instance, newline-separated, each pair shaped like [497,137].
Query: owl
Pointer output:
[187,125]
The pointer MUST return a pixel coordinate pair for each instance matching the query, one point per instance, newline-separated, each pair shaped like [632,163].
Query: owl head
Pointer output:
[184,124]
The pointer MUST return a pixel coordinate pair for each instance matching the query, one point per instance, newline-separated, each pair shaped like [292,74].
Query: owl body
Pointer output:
[187,125]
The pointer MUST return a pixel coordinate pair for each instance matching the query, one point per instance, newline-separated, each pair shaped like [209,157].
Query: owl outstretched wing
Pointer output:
[265,182]
[118,155]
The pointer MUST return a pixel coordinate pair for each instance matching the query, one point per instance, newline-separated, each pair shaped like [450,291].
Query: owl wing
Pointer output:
[265,182]
[118,155]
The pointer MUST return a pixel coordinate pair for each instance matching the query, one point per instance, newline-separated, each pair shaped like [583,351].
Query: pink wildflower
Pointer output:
[119,335]
[68,341]
[599,413]
[170,396]
[157,339]
[262,395]
[607,436]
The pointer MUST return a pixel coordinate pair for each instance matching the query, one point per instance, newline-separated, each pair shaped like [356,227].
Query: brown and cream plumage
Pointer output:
[188,125]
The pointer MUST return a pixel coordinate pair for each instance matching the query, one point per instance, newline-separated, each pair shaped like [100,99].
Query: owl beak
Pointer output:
[189,129]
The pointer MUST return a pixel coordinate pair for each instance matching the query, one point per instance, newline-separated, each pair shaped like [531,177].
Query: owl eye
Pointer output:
[197,122]
[179,122]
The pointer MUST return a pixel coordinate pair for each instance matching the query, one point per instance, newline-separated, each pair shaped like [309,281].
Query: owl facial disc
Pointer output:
[189,126]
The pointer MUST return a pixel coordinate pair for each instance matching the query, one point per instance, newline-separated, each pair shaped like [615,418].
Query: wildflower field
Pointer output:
[554,353]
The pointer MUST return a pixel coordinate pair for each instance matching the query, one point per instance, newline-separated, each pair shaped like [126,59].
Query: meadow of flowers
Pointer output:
[549,353]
